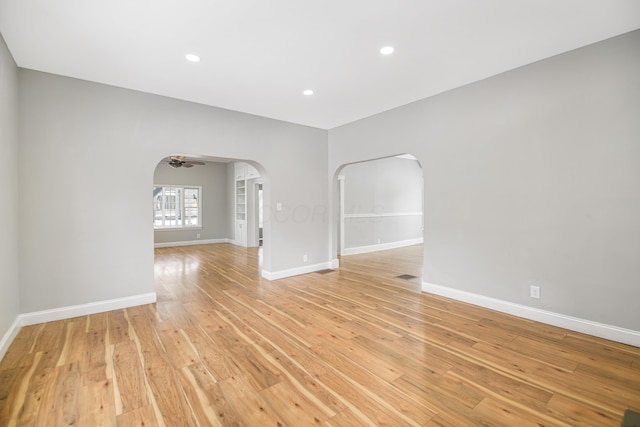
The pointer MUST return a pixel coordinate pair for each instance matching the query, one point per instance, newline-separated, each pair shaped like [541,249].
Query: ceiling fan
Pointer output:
[179,162]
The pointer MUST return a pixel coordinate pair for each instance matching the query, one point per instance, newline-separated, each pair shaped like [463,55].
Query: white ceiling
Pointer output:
[259,55]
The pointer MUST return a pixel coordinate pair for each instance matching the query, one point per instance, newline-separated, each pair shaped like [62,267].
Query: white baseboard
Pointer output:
[8,337]
[61,313]
[84,309]
[382,246]
[275,275]
[609,332]
[191,243]
[335,263]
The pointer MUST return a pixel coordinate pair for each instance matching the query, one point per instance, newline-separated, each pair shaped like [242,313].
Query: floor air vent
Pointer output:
[407,277]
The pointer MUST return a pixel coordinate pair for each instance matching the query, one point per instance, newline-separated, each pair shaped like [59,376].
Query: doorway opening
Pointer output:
[201,200]
[255,213]
[381,208]
[260,213]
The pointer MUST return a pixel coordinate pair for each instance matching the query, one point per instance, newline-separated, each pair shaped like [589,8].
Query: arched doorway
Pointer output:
[380,208]
[206,200]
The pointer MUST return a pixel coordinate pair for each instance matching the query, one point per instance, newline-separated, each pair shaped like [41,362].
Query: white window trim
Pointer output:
[188,227]
[172,228]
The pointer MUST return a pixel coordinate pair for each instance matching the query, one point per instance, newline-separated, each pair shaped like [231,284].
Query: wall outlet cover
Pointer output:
[534,291]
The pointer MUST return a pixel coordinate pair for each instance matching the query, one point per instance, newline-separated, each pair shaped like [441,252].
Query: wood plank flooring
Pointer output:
[351,347]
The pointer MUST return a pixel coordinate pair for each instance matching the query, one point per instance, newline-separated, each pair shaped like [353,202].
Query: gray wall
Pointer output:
[212,177]
[382,187]
[9,290]
[231,200]
[100,246]
[531,177]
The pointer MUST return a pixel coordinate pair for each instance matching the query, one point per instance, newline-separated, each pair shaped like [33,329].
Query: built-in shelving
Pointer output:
[241,200]
[244,208]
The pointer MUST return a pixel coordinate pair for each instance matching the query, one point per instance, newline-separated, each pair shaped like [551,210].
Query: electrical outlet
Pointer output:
[534,291]
[198,236]
[305,258]
[278,206]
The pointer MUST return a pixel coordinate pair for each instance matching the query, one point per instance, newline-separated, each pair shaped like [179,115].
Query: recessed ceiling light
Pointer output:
[387,50]
[192,58]
[307,92]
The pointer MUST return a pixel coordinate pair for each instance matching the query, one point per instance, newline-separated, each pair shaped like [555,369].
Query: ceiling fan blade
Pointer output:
[190,164]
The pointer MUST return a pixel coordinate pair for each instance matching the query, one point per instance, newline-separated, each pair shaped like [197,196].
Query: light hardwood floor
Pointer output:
[355,346]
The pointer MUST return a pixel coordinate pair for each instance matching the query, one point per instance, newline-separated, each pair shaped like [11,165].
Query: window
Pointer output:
[176,207]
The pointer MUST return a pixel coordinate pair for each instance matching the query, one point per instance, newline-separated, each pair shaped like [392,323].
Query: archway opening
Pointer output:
[204,200]
[380,211]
